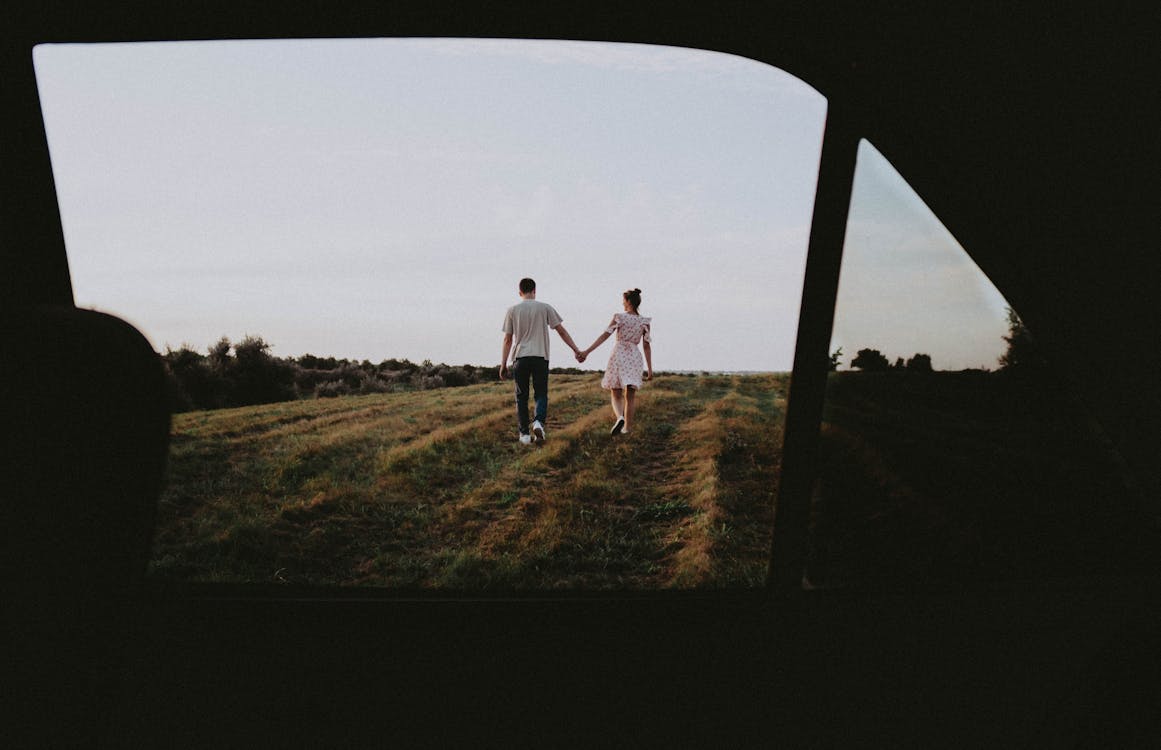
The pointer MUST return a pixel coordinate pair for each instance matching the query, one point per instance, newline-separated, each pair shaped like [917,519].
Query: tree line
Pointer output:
[1021,354]
[246,373]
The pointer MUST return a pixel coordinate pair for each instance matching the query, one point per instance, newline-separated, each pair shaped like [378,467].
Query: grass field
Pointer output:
[430,489]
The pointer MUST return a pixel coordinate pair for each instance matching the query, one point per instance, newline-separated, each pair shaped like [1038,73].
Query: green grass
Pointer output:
[432,490]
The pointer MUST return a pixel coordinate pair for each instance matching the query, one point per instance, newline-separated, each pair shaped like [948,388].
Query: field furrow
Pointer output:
[562,516]
[432,489]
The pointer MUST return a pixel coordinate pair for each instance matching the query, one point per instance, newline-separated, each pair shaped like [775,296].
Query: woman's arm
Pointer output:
[648,358]
[600,340]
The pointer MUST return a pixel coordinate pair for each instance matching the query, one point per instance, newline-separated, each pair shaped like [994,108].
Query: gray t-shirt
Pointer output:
[529,321]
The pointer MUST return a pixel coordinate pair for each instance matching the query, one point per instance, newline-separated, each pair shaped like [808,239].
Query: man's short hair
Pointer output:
[527,285]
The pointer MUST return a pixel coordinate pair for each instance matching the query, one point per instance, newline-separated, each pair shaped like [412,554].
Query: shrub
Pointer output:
[454,377]
[398,365]
[246,373]
[373,384]
[332,389]
[195,383]
[311,362]
[305,379]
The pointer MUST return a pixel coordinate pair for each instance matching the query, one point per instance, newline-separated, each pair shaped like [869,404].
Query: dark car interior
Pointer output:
[1032,134]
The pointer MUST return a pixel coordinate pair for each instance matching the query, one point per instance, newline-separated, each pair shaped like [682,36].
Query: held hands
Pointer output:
[580,356]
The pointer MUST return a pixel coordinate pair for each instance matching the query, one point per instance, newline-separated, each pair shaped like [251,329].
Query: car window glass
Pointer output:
[321,238]
[951,450]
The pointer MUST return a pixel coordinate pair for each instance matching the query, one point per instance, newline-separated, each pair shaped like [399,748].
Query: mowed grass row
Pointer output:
[432,490]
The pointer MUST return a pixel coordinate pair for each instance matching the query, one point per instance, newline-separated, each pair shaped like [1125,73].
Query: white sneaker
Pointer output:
[526,440]
[538,431]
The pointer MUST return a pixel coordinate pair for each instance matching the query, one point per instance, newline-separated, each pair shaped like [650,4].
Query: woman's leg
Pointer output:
[630,393]
[618,410]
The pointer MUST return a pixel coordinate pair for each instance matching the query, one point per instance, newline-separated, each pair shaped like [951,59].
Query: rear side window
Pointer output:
[952,451]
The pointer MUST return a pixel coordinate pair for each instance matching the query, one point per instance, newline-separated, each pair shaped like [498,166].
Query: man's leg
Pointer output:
[521,372]
[540,389]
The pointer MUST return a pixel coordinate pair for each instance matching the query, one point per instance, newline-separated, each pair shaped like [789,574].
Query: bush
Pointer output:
[332,389]
[454,377]
[246,373]
[311,362]
[398,365]
[306,379]
[194,382]
[373,384]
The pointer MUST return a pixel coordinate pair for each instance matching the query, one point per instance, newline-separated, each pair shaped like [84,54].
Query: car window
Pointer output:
[321,239]
[952,449]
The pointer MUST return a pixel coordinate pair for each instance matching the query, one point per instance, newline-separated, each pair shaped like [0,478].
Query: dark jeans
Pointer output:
[536,370]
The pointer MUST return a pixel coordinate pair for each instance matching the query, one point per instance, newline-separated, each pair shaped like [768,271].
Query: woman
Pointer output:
[623,375]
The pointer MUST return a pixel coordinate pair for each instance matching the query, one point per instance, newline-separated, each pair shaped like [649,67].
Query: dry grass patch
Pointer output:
[431,489]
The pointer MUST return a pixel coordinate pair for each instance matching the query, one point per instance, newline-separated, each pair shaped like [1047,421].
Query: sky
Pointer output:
[382,198]
[906,285]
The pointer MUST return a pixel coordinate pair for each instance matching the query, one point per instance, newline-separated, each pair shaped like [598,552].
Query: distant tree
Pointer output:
[834,359]
[870,360]
[899,364]
[398,365]
[1022,352]
[258,377]
[219,359]
[311,362]
[194,384]
[919,363]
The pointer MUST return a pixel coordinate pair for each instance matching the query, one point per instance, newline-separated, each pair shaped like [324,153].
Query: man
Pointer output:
[526,327]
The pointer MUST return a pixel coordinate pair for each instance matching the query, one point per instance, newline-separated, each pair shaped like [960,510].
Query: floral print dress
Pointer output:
[626,364]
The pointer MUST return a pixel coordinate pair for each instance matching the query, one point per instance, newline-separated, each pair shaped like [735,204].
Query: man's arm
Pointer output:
[567,339]
[504,352]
